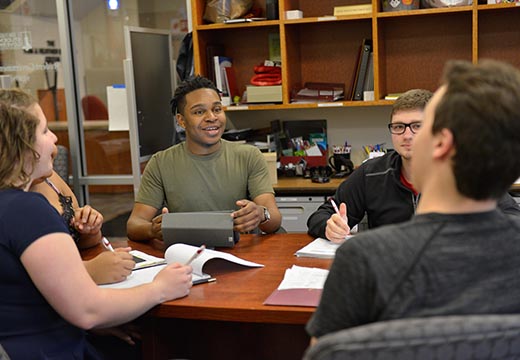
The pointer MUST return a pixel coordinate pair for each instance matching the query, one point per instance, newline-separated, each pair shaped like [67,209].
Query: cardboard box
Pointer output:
[264,94]
[293,14]
[270,158]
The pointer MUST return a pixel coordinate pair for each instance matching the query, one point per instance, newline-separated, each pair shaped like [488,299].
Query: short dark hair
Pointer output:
[481,107]
[414,99]
[193,83]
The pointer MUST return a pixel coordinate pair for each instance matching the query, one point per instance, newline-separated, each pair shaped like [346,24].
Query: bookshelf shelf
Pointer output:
[410,47]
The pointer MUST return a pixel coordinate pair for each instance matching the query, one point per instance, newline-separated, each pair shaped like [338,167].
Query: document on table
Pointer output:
[145,269]
[301,286]
[176,253]
[144,260]
[320,248]
[146,275]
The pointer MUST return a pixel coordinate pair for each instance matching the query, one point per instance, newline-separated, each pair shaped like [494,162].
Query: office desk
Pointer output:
[300,186]
[227,319]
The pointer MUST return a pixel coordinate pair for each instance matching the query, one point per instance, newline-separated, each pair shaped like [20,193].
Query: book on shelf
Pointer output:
[392,96]
[213,50]
[274,47]
[221,62]
[314,92]
[231,82]
[368,84]
[179,253]
[264,94]
[362,67]
[353,9]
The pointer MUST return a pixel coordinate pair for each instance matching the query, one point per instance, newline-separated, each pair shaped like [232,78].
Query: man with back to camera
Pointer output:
[382,187]
[459,251]
[205,172]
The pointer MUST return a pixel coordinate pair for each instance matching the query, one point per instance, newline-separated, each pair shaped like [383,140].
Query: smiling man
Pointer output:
[205,172]
[382,188]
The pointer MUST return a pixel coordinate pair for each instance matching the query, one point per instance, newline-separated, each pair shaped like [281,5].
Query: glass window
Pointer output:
[30,58]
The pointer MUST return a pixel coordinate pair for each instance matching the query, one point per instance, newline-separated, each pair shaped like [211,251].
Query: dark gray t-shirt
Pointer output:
[434,264]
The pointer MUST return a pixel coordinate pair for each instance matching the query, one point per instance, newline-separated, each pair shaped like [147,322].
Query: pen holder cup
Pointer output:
[341,163]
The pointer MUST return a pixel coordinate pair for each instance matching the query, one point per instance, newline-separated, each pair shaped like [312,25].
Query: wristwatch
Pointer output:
[267,216]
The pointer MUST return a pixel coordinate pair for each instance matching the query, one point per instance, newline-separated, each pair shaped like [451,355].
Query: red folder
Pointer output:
[294,297]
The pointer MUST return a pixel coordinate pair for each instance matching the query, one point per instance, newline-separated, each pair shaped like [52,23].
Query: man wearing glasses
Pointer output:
[381,188]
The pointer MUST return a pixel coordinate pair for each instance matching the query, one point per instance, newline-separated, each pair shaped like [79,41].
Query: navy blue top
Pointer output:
[29,327]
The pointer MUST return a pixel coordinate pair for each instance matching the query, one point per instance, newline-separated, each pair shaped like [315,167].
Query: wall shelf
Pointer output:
[410,48]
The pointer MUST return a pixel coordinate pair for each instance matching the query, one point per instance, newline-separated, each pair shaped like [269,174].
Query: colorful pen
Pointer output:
[197,253]
[107,244]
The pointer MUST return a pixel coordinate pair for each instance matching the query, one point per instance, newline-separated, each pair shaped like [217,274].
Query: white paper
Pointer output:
[145,276]
[149,260]
[181,253]
[117,109]
[298,277]
[320,248]
[137,277]
[314,150]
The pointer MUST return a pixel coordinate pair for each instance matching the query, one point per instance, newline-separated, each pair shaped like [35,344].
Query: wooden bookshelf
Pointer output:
[410,47]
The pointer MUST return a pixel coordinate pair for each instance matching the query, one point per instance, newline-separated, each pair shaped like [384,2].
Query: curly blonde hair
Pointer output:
[17,98]
[17,153]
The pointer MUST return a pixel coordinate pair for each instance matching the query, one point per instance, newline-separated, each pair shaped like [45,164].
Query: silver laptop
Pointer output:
[211,228]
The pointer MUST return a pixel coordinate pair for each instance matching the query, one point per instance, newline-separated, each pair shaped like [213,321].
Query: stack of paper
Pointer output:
[301,286]
[319,248]
[299,277]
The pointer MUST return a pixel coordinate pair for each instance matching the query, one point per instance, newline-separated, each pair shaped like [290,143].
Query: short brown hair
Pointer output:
[481,108]
[415,99]
[17,138]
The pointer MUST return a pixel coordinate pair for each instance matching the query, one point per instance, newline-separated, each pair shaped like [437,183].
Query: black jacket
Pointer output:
[375,188]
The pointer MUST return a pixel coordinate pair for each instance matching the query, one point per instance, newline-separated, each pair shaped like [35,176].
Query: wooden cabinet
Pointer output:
[410,47]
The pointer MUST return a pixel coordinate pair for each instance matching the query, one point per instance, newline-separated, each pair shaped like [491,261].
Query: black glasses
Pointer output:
[400,128]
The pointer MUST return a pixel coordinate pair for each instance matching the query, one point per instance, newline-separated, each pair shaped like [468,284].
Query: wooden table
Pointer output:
[226,319]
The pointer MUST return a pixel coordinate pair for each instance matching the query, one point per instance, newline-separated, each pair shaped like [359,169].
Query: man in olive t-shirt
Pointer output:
[204,172]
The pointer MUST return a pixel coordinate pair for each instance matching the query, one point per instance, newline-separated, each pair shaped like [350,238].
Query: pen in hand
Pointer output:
[194,256]
[107,244]
[336,209]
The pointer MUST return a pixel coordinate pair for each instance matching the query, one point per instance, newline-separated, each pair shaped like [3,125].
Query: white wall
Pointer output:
[358,125]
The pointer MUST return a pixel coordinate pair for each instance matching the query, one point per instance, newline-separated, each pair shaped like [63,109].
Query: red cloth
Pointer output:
[267,75]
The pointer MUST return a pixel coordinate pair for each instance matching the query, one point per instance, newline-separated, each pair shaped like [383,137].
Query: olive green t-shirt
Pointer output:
[184,182]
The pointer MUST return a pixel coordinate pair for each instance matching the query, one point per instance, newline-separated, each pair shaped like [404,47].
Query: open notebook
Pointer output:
[179,253]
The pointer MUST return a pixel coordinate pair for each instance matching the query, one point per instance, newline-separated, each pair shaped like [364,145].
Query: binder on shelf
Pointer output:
[368,84]
[231,82]
[220,63]
[212,50]
[364,55]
